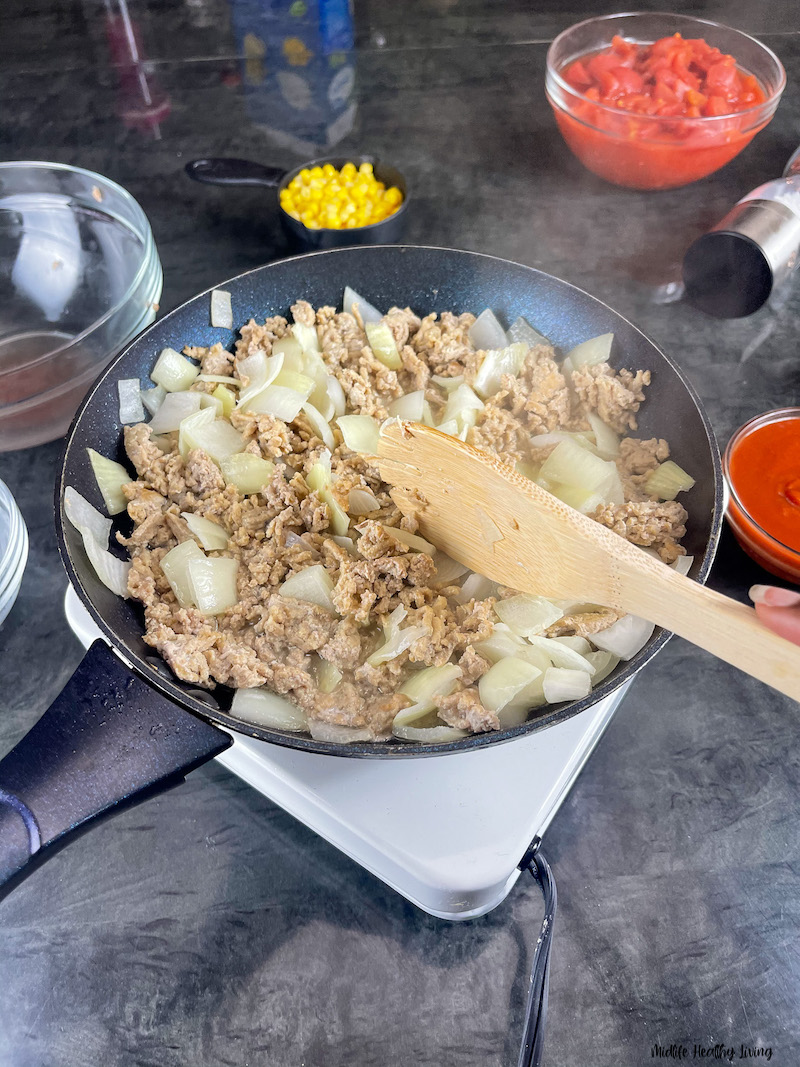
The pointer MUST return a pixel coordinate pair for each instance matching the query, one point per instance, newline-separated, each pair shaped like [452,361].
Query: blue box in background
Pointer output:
[298,70]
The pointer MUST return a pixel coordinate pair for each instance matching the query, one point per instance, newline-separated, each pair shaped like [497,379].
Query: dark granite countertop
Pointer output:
[206,926]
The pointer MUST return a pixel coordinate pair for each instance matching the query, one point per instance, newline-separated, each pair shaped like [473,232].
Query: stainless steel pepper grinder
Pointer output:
[730,271]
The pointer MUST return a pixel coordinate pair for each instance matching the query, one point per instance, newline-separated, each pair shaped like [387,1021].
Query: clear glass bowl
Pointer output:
[656,152]
[761,545]
[79,278]
[13,550]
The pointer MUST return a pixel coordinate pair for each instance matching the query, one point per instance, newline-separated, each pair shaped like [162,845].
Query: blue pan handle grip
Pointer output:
[234,172]
[107,741]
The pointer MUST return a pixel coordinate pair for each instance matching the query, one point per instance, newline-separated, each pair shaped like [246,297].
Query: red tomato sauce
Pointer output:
[635,123]
[764,510]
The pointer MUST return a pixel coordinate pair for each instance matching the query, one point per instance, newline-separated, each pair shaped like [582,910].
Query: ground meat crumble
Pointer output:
[267,639]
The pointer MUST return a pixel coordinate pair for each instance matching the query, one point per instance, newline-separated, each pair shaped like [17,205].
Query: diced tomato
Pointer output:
[673,77]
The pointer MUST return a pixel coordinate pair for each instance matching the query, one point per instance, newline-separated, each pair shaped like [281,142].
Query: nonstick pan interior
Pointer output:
[425,279]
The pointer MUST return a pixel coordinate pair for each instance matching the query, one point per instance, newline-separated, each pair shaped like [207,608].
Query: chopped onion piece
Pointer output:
[221,311]
[327,675]
[84,516]
[320,425]
[360,433]
[210,534]
[448,384]
[521,330]
[131,408]
[312,584]
[450,428]
[584,500]
[216,437]
[576,643]
[409,406]
[569,464]
[362,502]
[338,517]
[250,474]
[291,350]
[290,379]
[226,398]
[208,400]
[173,371]
[260,372]
[262,707]
[383,345]
[460,401]
[683,564]
[527,615]
[213,583]
[423,687]
[603,663]
[486,332]
[500,643]
[447,568]
[367,312]
[588,353]
[606,440]
[307,337]
[412,541]
[345,542]
[175,408]
[277,400]
[153,398]
[667,480]
[429,735]
[561,684]
[333,387]
[111,571]
[221,379]
[175,566]
[339,735]
[110,477]
[561,655]
[625,637]
[503,681]
[397,641]
[476,587]
[319,477]
[496,363]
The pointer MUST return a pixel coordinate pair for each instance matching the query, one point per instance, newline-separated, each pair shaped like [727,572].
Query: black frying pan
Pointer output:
[118,733]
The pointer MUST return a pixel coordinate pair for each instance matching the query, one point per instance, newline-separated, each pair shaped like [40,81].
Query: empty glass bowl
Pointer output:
[79,278]
[13,550]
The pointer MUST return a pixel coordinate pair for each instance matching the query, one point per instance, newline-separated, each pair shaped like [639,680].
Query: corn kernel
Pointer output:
[339,199]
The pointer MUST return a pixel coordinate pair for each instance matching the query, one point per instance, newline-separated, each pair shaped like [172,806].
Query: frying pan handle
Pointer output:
[234,172]
[107,741]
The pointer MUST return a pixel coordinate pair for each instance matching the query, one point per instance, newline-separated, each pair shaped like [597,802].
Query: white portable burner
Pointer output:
[447,833]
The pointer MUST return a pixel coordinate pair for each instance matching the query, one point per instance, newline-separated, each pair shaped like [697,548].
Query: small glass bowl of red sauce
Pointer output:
[654,100]
[762,471]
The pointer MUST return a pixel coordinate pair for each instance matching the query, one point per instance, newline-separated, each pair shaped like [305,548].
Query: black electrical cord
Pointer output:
[530,1054]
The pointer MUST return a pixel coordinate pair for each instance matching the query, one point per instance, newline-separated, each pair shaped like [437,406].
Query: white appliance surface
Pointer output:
[446,832]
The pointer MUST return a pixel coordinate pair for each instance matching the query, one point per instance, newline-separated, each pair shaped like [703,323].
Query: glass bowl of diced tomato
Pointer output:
[652,100]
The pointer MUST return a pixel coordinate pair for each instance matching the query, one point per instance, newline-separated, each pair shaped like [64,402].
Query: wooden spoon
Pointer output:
[484,514]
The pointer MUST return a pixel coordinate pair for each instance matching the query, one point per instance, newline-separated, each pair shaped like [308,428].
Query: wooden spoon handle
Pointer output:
[720,625]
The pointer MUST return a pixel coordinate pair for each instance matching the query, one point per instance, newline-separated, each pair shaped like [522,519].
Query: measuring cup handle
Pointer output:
[234,172]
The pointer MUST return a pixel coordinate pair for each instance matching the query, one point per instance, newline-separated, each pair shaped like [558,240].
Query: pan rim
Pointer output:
[391,749]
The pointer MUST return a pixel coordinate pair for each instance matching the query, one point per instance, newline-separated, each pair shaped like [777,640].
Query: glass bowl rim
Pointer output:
[148,252]
[756,109]
[12,553]
[785,414]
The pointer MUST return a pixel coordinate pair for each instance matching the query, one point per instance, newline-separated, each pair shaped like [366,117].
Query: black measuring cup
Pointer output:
[246,172]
